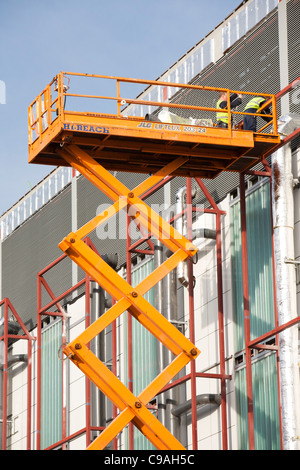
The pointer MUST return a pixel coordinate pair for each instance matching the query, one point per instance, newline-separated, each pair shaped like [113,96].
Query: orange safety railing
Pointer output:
[50,105]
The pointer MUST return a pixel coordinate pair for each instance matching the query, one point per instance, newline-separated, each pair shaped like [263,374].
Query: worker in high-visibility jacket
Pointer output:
[250,122]
[222,116]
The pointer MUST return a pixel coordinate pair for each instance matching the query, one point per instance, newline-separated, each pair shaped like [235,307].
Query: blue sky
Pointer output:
[39,38]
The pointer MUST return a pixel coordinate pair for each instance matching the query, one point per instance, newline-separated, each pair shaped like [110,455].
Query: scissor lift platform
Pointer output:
[94,144]
[133,144]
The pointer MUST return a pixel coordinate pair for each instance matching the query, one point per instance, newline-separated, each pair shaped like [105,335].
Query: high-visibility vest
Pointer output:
[221,116]
[255,103]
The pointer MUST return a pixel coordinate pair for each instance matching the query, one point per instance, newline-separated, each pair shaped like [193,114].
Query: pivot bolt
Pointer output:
[77,346]
[194,352]
[138,404]
[72,240]
[134,294]
[131,195]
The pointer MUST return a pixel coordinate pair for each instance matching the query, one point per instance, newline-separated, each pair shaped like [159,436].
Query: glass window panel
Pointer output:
[207,53]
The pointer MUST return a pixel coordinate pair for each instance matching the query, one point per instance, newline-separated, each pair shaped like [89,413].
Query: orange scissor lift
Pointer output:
[98,143]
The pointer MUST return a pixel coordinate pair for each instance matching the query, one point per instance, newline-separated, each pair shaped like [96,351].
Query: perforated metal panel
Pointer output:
[251,64]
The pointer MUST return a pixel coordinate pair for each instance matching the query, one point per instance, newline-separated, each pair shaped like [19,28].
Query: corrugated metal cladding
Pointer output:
[143,352]
[261,306]
[293,21]
[31,248]
[265,405]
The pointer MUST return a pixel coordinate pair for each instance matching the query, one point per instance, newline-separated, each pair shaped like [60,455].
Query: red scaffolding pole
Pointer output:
[5,338]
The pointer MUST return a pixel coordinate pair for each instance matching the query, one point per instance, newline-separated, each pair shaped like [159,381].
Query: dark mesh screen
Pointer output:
[252,65]
[293,20]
